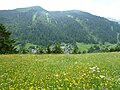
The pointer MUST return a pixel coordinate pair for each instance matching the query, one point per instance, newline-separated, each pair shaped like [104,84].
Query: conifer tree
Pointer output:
[57,49]
[6,43]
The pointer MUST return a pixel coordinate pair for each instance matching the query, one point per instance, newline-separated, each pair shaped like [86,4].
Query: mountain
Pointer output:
[38,26]
[112,19]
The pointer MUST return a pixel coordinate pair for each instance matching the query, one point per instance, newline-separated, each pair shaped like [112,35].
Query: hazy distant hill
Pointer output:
[39,26]
[111,19]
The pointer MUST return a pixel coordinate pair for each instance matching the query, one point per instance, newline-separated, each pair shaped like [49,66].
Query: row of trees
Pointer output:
[108,48]
[7,46]
[40,50]
[56,49]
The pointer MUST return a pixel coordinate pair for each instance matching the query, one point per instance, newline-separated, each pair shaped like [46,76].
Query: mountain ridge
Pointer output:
[39,26]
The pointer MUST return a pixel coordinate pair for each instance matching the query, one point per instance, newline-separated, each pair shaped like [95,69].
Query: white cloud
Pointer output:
[106,8]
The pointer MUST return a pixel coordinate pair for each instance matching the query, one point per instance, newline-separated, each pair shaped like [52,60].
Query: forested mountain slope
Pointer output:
[38,26]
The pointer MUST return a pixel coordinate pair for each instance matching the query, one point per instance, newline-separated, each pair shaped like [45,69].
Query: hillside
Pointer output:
[41,27]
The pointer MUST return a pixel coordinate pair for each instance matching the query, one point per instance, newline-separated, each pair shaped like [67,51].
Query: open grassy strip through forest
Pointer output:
[98,71]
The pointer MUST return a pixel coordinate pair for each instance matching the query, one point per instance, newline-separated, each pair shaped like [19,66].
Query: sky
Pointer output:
[103,8]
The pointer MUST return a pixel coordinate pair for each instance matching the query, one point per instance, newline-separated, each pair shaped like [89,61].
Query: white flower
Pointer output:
[118,79]
[84,74]
[56,75]
[64,74]
[76,62]
[98,70]
[102,76]
[93,68]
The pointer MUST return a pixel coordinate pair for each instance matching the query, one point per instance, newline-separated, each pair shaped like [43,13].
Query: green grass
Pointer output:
[27,46]
[85,47]
[98,71]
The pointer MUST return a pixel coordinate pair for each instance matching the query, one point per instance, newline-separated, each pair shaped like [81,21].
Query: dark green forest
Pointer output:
[8,46]
[40,27]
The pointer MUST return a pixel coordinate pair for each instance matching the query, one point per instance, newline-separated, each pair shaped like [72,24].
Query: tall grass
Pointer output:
[100,71]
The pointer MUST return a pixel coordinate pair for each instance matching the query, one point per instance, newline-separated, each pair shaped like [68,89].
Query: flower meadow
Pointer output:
[97,71]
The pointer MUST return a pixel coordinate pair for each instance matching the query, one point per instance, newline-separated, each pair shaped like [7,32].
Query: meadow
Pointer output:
[96,71]
[85,47]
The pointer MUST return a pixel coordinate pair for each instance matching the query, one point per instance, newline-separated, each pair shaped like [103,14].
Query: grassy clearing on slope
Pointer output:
[99,71]
[83,46]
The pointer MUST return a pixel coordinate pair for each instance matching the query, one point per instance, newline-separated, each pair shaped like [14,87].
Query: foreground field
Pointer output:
[60,72]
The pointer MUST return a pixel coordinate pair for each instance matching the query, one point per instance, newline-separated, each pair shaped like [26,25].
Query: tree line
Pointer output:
[7,46]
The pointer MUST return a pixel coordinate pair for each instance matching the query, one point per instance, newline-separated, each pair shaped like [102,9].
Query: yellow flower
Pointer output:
[70,84]
[59,88]
[11,88]
[66,79]
[31,88]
